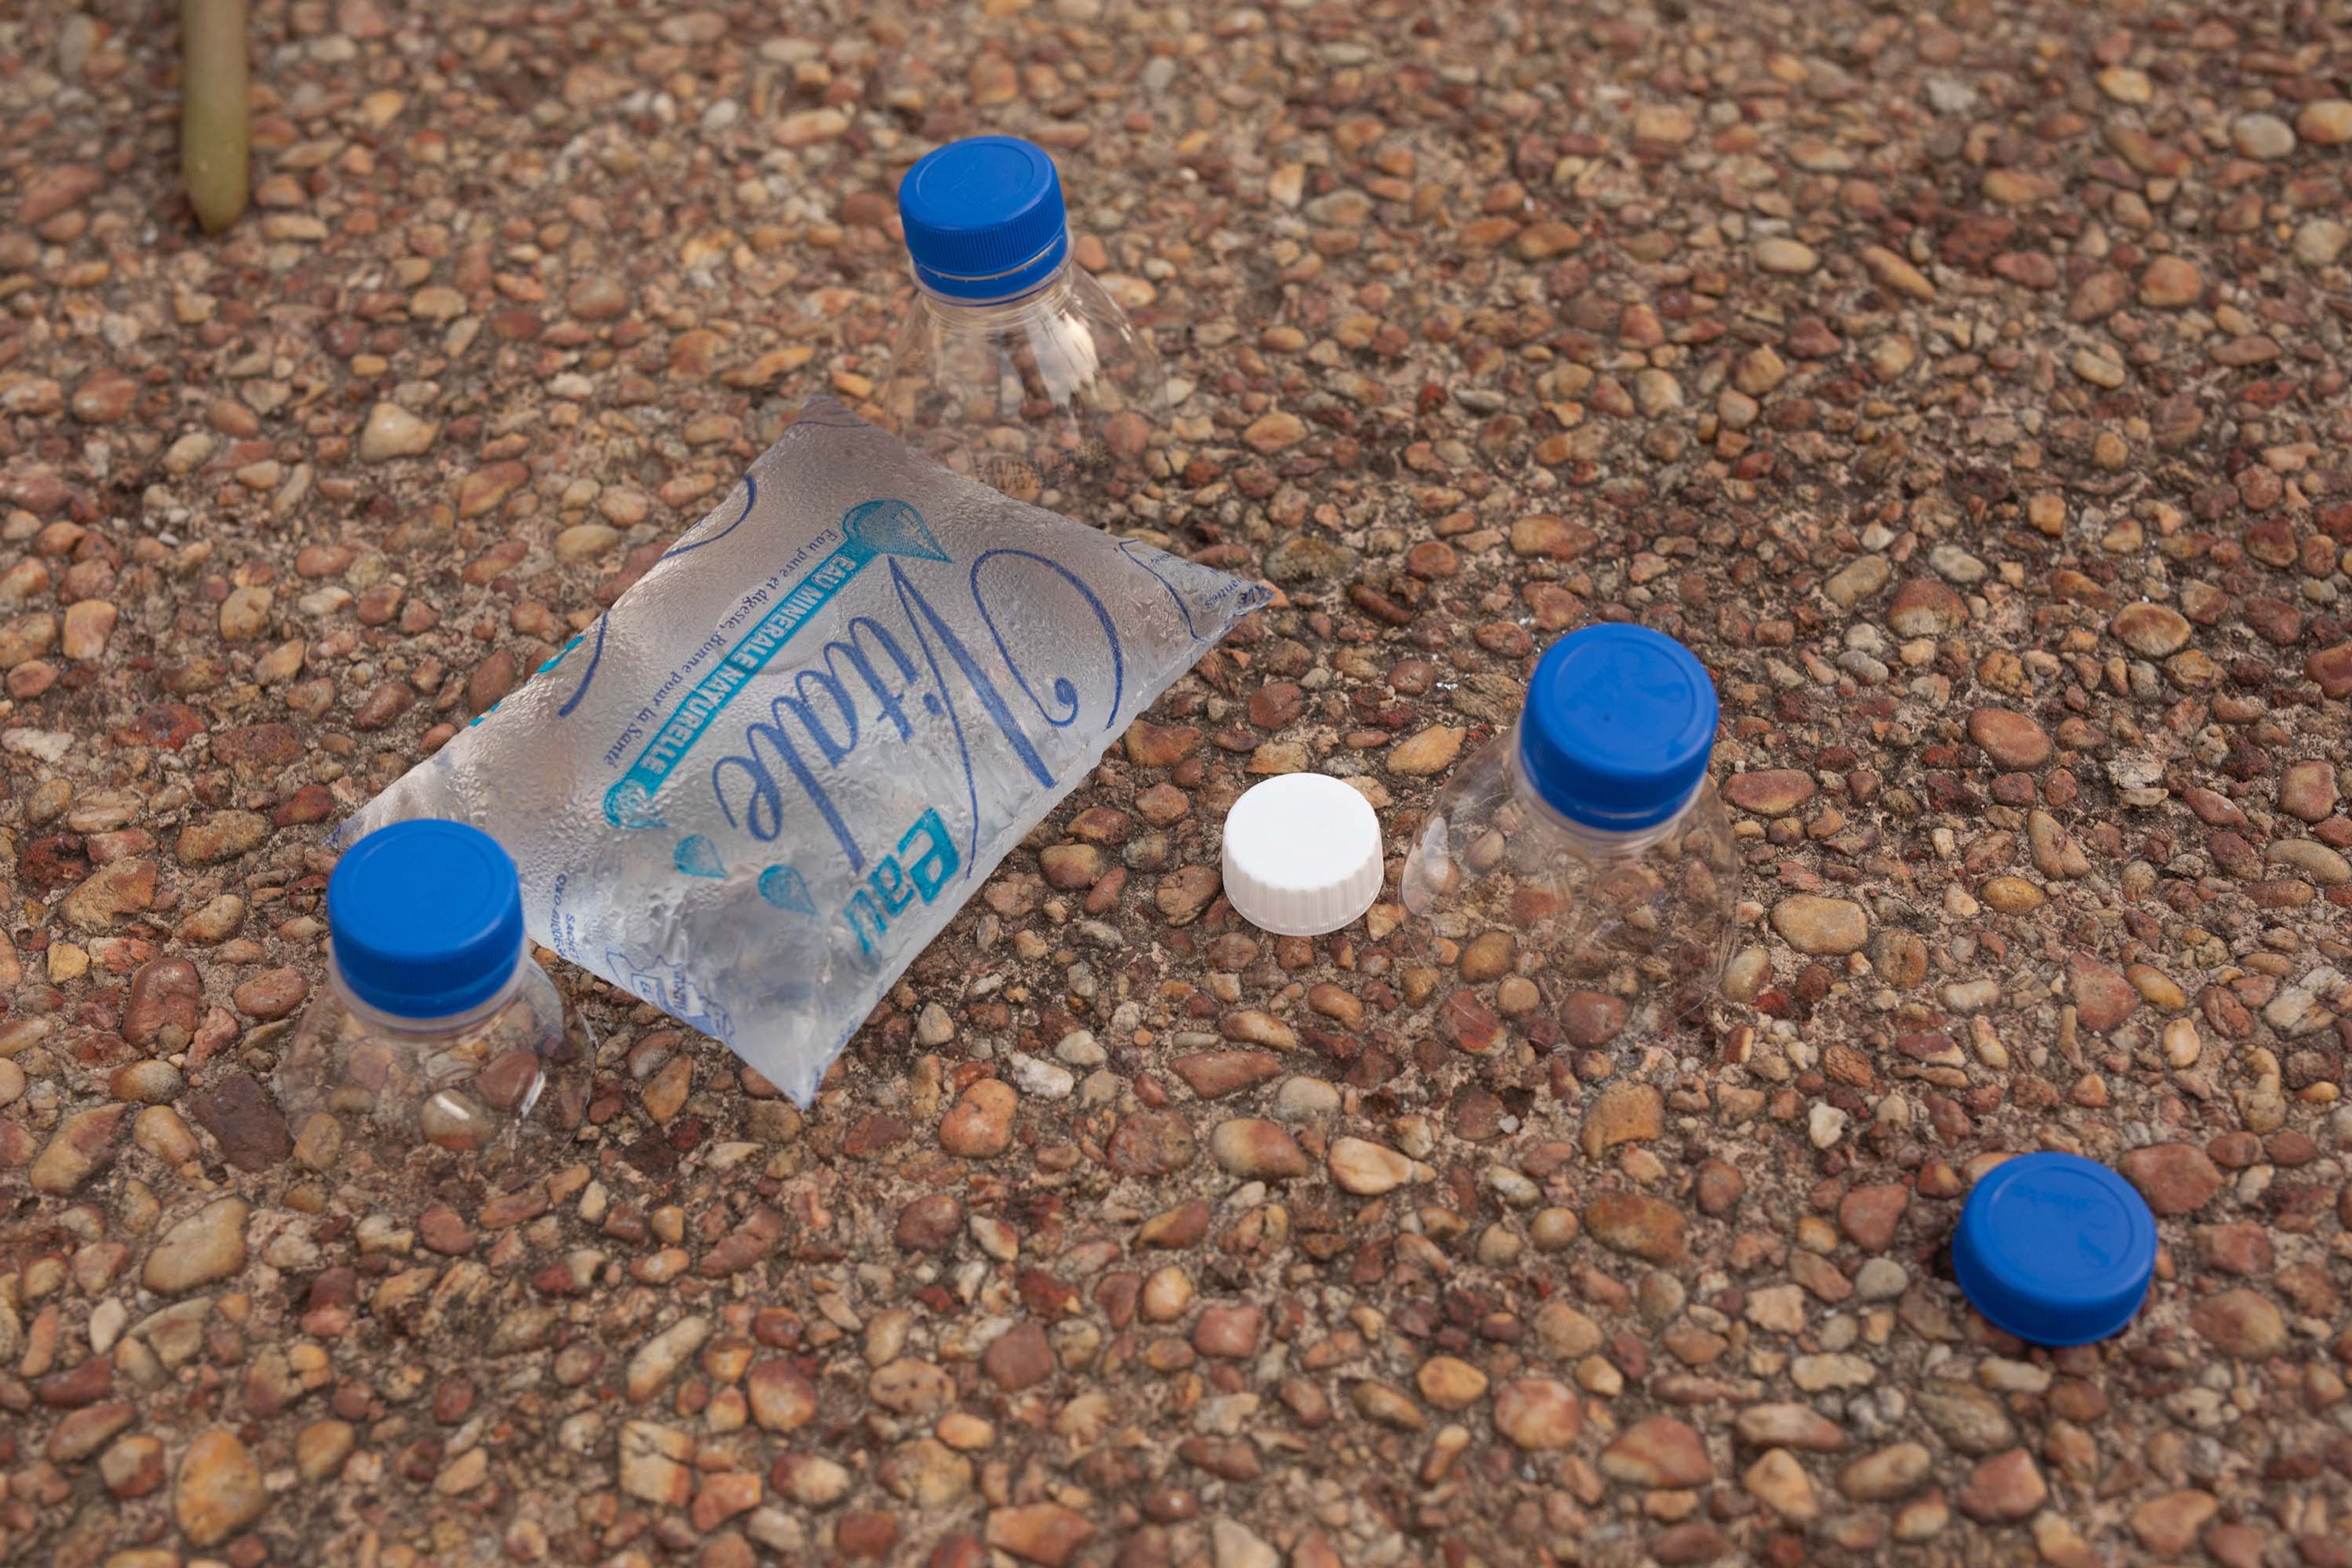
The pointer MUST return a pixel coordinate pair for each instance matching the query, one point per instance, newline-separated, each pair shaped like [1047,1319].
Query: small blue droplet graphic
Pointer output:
[890,527]
[697,857]
[783,886]
[630,804]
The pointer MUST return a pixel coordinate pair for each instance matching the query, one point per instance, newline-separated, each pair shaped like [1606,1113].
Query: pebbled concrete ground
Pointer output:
[1966,383]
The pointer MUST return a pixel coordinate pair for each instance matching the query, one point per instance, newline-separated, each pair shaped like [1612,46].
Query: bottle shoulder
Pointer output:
[533,1004]
[1492,780]
[1074,301]
[536,991]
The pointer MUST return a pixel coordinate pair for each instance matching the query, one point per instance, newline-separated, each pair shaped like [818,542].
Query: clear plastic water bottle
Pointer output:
[1592,837]
[1015,367]
[436,1027]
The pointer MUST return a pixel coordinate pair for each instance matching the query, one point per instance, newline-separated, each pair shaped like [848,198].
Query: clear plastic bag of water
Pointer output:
[754,789]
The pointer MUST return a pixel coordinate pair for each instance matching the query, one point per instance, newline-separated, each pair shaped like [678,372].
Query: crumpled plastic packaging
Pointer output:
[759,784]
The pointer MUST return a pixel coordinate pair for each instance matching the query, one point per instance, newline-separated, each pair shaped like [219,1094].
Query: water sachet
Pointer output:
[755,789]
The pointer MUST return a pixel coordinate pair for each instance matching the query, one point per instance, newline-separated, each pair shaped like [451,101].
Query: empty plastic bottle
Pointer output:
[1015,367]
[1593,835]
[436,1027]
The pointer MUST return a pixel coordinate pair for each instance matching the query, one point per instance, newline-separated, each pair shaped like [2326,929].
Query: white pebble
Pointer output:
[1040,1079]
[1305,1098]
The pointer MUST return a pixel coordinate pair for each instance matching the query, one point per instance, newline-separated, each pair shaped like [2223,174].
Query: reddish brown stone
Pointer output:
[1590,1018]
[2241,1248]
[525,1204]
[1228,1331]
[2332,669]
[238,1111]
[866,1533]
[1923,607]
[1658,1452]
[1469,1022]
[312,802]
[929,1222]
[2175,1178]
[1018,1358]
[1868,1216]
[2103,998]
[1044,1533]
[441,1230]
[1176,1228]
[1155,746]
[2005,1487]
[2240,1322]
[1152,1143]
[1770,792]
[84,1384]
[1636,1225]
[2010,739]
[257,749]
[165,997]
[1214,1074]
[274,993]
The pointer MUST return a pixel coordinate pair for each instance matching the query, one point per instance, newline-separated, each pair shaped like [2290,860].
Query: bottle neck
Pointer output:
[1596,843]
[376,1018]
[1045,292]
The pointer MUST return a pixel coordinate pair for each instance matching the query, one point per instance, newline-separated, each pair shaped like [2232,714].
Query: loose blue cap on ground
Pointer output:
[2055,1249]
[425,919]
[983,218]
[1618,727]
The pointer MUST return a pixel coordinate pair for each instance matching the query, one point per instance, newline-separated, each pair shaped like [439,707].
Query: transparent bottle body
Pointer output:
[1054,398]
[496,1081]
[1644,917]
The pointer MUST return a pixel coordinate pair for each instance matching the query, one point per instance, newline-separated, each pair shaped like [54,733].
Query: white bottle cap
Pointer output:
[1302,855]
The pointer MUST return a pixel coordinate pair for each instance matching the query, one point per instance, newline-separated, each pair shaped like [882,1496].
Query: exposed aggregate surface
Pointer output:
[1966,385]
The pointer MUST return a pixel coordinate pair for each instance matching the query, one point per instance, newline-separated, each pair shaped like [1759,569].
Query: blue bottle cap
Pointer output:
[1618,727]
[425,919]
[984,218]
[2055,1249]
